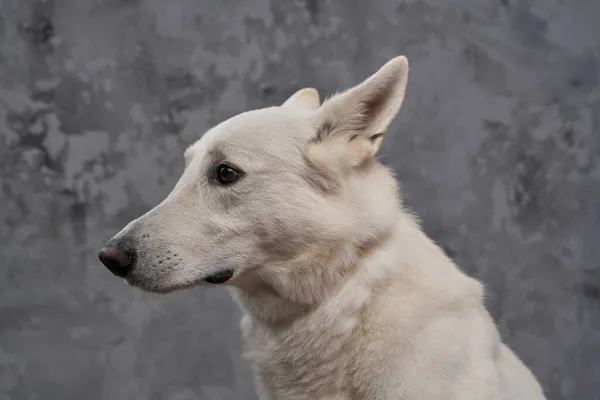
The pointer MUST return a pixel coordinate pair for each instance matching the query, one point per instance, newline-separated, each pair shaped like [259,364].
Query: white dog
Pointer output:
[344,295]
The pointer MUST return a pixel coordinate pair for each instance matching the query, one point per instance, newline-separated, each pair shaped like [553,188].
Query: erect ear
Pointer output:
[355,121]
[307,98]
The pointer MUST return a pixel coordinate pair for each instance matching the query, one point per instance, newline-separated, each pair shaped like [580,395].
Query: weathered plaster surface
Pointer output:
[497,146]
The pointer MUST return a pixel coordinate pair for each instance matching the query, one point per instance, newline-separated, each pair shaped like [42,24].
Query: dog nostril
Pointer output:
[118,260]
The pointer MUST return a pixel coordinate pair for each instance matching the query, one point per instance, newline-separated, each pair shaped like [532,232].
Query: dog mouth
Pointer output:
[159,286]
[219,277]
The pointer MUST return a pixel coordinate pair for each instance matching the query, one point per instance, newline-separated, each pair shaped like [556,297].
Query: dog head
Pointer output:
[271,191]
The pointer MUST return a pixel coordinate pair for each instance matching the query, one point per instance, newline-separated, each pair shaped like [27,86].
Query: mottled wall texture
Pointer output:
[497,147]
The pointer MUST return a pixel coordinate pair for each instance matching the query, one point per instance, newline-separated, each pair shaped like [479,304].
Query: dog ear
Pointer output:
[353,122]
[307,98]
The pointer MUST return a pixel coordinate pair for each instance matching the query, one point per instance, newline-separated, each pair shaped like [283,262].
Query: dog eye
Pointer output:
[226,174]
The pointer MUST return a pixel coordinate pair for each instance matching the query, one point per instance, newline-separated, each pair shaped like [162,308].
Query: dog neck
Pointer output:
[276,295]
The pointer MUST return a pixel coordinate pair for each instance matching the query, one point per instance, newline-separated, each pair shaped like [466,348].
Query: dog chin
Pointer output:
[155,286]
[165,286]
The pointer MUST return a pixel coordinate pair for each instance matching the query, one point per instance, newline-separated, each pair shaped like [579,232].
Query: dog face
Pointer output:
[269,190]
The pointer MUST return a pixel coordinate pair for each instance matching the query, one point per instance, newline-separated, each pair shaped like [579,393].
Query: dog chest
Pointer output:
[309,359]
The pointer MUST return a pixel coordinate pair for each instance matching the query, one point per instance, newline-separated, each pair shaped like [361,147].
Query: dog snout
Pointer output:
[118,257]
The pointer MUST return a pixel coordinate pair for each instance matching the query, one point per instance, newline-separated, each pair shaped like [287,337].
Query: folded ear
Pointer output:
[307,98]
[357,119]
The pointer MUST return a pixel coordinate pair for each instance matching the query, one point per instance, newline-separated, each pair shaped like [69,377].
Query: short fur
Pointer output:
[344,296]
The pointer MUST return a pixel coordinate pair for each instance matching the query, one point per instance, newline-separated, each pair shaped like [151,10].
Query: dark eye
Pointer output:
[226,174]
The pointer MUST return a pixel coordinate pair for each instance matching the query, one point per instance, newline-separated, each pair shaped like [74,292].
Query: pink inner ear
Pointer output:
[367,109]
[376,101]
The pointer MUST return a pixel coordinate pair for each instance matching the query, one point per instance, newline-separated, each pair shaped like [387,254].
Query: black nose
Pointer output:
[118,259]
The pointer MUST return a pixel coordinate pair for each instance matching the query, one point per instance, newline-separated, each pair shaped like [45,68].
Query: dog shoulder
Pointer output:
[422,329]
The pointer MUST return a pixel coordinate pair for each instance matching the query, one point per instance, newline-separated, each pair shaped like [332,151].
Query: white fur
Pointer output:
[344,295]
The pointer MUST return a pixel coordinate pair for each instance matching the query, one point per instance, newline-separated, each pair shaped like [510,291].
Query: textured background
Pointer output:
[497,146]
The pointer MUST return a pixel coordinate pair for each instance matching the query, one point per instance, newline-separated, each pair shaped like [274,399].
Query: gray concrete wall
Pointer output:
[497,146]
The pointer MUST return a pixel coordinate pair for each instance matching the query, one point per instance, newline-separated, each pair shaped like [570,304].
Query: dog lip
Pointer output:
[219,277]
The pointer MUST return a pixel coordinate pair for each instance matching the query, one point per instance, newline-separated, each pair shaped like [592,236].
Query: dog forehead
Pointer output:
[265,130]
